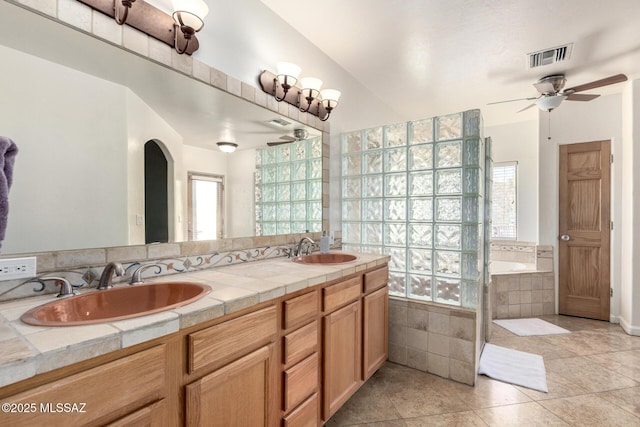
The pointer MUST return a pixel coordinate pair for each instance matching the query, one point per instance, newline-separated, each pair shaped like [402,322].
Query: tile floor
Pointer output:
[593,375]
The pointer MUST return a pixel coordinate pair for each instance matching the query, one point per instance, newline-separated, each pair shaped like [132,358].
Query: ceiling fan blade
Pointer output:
[274,143]
[618,78]
[526,108]
[581,97]
[288,138]
[512,100]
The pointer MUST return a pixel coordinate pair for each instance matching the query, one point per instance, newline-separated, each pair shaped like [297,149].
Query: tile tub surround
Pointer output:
[523,252]
[27,350]
[522,295]
[433,338]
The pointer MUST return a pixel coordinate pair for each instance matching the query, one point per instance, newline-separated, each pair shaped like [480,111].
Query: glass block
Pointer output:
[269,174]
[259,157]
[472,152]
[351,248]
[284,212]
[298,150]
[395,234]
[471,237]
[447,291]
[378,250]
[299,211]
[351,210]
[420,260]
[269,193]
[372,209]
[314,211]
[421,209]
[257,176]
[396,135]
[314,149]
[447,263]
[448,236]
[470,294]
[448,209]
[395,209]
[372,186]
[372,233]
[259,231]
[268,228]
[269,212]
[299,171]
[449,127]
[374,138]
[395,160]
[351,187]
[351,232]
[448,154]
[314,226]
[472,181]
[351,165]
[268,156]
[283,227]
[299,227]
[315,169]
[298,190]
[352,142]
[284,172]
[449,181]
[283,192]
[472,123]
[421,183]
[397,283]
[395,184]
[470,212]
[398,261]
[421,131]
[258,212]
[421,157]
[258,193]
[283,153]
[420,287]
[420,234]
[470,267]
[373,162]
[314,190]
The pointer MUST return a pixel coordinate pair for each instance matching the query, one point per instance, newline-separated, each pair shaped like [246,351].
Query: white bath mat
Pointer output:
[513,367]
[529,327]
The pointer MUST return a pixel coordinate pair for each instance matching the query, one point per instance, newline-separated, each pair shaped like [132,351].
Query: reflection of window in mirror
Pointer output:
[504,201]
[205,206]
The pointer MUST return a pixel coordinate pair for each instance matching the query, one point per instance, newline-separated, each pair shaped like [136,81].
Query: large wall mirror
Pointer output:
[84,115]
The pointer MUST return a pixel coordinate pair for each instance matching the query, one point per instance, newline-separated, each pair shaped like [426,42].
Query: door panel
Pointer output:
[585,229]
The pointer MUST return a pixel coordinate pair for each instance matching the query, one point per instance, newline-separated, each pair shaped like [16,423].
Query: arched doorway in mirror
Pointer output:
[156,193]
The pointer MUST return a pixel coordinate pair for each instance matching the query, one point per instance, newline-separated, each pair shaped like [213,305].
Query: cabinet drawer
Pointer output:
[149,416]
[300,343]
[300,310]
[305,415]
[341,293]
[300,381]
[217,345]
[376,279]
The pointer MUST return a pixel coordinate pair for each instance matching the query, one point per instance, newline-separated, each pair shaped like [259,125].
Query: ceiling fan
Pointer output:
[298,135]
[552,93]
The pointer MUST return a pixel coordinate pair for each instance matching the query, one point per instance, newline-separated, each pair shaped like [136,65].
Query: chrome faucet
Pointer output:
[66,289]
[107,275]
[297,251]
[136,277]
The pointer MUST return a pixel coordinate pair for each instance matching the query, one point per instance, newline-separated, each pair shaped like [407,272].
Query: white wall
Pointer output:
[519,142]
[240,194]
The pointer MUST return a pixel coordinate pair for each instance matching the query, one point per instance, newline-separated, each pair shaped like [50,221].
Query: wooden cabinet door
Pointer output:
[238,394]
[342,356]
[374,332]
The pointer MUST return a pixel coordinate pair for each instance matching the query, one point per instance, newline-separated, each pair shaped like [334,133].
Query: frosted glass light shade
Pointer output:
[330,97]
[547,103]
[227,147]
[289,72]
[311,83]
[190,13]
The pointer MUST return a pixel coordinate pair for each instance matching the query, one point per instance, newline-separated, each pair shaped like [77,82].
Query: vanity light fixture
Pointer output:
[227,147]
[189,17]
[126,4]
[307,97]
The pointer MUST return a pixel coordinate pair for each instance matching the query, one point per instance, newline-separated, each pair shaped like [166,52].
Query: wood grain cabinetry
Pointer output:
[374,331]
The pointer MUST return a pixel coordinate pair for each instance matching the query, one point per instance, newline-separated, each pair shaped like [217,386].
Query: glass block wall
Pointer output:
[288,188]
[415,192]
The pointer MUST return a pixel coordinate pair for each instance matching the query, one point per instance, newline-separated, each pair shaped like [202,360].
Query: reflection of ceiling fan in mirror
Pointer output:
[298,135]
[552,93]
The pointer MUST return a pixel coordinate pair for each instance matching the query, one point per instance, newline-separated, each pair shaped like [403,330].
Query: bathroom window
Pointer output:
[504,201]
[205,206]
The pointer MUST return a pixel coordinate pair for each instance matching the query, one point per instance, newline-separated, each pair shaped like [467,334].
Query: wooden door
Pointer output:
[584,247]
[342,356]
[374,332]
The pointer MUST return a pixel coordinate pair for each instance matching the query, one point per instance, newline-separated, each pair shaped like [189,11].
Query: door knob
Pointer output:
[565,237]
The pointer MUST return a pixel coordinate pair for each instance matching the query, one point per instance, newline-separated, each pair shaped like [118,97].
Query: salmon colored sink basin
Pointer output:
[325,258]
[115,304]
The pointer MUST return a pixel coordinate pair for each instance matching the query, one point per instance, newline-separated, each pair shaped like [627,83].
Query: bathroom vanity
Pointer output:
[292,360]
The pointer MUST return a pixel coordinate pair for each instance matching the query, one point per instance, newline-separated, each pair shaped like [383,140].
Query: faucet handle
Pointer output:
[66,289]
[136,277]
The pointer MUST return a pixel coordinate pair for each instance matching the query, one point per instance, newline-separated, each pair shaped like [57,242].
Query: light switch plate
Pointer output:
[17,268]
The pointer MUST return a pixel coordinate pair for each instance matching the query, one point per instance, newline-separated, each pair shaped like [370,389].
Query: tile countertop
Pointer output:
[27,350]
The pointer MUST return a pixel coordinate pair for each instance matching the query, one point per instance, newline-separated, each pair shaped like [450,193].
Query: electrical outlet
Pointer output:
[17,268]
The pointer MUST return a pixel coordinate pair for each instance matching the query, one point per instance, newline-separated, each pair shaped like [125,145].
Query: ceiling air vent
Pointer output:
[279,122]
[549,56]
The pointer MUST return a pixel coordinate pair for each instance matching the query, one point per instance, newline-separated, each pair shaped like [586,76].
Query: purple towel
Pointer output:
[8,151]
